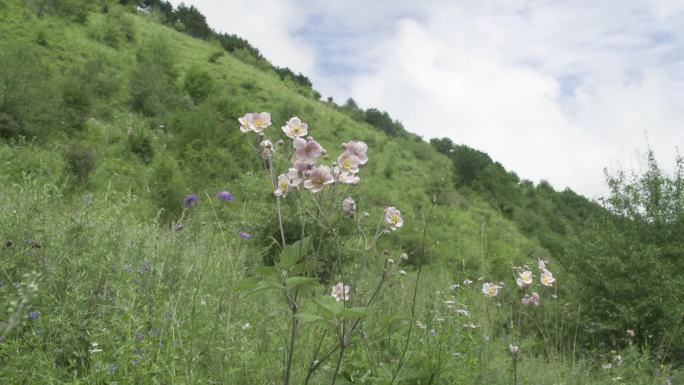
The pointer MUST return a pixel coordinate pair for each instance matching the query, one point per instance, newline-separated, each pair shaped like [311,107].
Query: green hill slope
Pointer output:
[110,115]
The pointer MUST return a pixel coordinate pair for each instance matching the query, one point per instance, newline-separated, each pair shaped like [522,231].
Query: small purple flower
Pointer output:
[190,199]
[224,196]
[34,314]
[244,235]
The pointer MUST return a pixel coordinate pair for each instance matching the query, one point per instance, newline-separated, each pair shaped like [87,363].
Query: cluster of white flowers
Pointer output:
[304,171]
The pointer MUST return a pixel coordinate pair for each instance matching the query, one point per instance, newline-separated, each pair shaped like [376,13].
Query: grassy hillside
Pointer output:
[109,118]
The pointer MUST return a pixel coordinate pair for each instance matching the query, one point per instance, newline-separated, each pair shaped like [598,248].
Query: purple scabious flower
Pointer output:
[190,199]
[34,314]
[244,235]
[224,196]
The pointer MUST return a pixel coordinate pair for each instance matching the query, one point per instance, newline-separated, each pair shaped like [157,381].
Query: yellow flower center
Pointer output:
[394,218]
[347,164]
[283,185]
[258,123]
[296,129]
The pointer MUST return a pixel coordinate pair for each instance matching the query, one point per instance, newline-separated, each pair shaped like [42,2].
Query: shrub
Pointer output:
[79,162]
[166,188]
[153,81]
[27,93]
[139,143]
[77,102]
[116,28]
[198,84]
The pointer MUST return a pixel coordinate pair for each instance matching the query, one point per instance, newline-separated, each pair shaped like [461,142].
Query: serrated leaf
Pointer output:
[267,284]
[293,282]
[291,254]
[354,312]
[307,318]
[329,307]
[267,271]
[305,267]
[246,284]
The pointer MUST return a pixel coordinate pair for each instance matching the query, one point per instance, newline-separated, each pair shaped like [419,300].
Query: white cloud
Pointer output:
[552,90]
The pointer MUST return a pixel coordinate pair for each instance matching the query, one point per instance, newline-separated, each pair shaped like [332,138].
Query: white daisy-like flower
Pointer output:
[295,128]
[490,290]
[282,186]
[547,278]
[393,218]
[524,278]
[340,292]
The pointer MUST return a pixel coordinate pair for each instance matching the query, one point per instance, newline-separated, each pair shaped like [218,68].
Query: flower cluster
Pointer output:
[255,122]
[525,279]
[304,171]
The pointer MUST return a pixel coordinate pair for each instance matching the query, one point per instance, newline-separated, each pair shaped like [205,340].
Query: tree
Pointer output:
[194,21]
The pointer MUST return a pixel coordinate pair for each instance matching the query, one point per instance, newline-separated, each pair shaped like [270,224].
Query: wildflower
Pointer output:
[357,148]
[490,290]
[307,150]
[420,325]
[390,261]
[463,312]
[631,332]
[467,282]
[319,177]
[404,257]
[454,286]
[344,176]
[348,207]
[340,292]
[514,350]
[297,174]
[246,123]
[607,366]
[33,314]
[246,326]
[531,300]
[267,149]
[178,226]
[348,162]
[244,235]
[260,122]
[618,360]
[540,264]
[547,278]
[283,186]
[440,319]
[295,128]
[190,199]
[449,302]
[524,278]
[402,272]
[393,218]
[224,196]
[470,326]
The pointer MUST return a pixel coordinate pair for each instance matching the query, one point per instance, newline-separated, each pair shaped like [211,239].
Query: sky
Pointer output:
[553,90]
